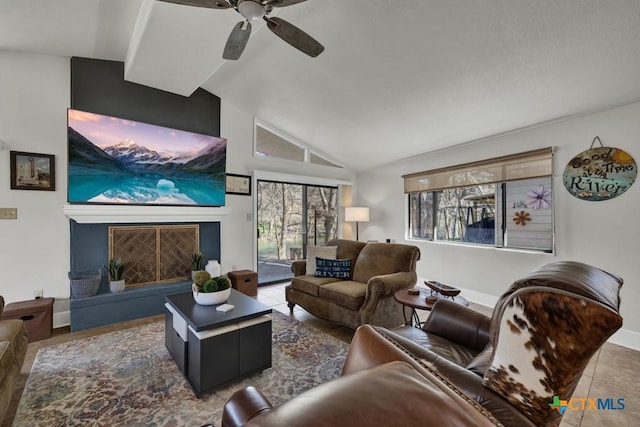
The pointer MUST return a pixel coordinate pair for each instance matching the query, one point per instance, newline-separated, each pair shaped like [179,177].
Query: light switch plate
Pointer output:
[8,213]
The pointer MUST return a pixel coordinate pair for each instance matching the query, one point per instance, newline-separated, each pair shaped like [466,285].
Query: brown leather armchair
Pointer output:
[536,345]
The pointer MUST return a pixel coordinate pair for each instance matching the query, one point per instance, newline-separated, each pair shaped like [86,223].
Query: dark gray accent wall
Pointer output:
[98,86]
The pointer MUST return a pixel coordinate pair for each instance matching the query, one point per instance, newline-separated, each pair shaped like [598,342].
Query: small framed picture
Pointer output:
[32,171]
[238,184]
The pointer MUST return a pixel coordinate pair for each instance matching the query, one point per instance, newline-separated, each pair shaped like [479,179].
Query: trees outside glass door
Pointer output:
[290,217]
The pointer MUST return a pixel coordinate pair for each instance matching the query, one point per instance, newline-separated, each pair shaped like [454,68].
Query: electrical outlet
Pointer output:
[8,213]
[37,293]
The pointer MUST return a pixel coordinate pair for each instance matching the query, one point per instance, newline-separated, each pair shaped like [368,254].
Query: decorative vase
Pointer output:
[212,298]
[116,286]
[213,267]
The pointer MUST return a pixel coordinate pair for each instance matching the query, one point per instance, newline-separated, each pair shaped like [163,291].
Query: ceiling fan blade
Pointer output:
[282,3]
[237,40]
[294,36]
[210,4]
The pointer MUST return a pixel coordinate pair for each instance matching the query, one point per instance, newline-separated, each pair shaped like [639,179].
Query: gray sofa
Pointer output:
[378,270]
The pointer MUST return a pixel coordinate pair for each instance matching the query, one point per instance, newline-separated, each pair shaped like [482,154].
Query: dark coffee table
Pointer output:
[420,302]
[212,347]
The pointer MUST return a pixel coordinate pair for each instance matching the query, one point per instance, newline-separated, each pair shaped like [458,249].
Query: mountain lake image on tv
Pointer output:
[120,161]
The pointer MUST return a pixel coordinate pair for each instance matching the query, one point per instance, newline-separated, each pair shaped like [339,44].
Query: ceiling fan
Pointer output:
[253,10]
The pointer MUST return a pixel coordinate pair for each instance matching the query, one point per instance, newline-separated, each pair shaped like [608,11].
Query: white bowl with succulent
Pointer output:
[209,290]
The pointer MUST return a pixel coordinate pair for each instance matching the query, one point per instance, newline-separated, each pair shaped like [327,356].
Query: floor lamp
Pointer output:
[356,214]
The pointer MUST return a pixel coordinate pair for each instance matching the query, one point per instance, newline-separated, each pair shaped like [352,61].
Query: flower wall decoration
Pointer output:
[521,218]
[540,198]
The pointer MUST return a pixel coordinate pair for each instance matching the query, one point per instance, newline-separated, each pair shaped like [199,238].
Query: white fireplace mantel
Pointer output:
[101,214]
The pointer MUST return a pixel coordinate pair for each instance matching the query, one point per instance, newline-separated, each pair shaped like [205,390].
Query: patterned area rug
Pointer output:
[128,378]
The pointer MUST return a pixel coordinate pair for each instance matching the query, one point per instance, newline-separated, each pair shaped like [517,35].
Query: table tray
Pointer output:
[441,288]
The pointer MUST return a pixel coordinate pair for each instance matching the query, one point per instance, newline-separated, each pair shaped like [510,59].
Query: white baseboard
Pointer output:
[61,319]
[624,337]
[479,297]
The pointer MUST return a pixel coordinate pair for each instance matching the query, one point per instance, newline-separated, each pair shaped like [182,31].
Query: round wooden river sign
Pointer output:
[600,173]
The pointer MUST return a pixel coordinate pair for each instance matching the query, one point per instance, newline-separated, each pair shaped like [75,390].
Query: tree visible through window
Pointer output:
[513,214]
[290,217]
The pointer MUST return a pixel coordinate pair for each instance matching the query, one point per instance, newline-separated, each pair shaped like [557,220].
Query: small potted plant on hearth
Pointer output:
[209,290]
[197,264]
[115,269]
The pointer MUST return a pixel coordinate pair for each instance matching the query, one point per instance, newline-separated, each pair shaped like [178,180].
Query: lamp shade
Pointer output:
[357,214]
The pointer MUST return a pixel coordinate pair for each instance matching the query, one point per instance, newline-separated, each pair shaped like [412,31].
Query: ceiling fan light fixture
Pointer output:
[250,9]
[254,10]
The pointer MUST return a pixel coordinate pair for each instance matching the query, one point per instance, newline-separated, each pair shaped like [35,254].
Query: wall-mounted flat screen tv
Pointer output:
[119,161]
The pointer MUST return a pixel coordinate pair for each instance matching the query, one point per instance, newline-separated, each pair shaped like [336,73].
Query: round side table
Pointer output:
[419,302]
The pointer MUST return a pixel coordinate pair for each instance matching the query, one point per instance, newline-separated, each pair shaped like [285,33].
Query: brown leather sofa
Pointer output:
[378,270]
[369,393]
[504,370]
[13,348]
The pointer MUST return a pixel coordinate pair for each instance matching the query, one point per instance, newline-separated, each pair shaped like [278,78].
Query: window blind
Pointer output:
[530,164]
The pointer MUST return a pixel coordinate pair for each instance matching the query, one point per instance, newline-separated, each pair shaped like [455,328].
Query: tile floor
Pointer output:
[610,374]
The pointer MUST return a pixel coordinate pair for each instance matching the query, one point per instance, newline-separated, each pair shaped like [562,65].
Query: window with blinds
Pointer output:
[501,202]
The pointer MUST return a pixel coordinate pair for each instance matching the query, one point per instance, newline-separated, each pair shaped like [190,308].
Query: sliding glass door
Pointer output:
[290,217]
[321,214]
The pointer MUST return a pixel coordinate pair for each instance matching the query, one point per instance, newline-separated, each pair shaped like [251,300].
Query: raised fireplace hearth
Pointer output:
[155,242]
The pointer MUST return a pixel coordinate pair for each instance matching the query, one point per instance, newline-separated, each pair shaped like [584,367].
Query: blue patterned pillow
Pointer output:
[338,268]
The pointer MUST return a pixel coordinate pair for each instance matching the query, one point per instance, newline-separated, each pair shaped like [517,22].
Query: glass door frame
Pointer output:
[292,195]
[299,180]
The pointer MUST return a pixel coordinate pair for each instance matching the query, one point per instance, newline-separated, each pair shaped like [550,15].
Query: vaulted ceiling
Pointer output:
[397,77]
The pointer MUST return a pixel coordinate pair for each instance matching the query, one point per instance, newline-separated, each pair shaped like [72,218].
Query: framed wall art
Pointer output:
[32,171]
[238,184]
